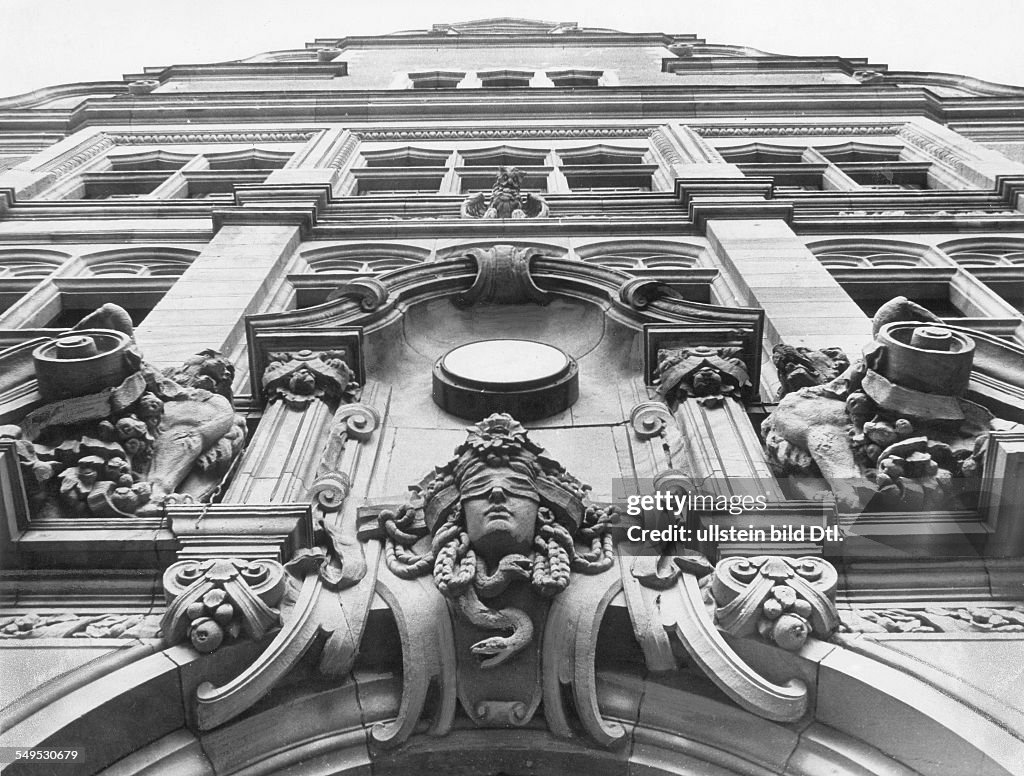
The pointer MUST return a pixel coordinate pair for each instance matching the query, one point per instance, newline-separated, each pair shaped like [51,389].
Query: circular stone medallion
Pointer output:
[529,380]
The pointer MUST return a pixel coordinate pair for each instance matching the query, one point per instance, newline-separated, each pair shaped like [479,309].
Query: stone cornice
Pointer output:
[242,70]
[506,40]
[157,137]
[48,93]
[790,129]
[469,132]
[267,531]
[662,102]
[283,203]
[767,63]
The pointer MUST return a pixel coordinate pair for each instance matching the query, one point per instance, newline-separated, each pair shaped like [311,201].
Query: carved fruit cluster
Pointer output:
[212,618]
[785,618]
[909,467]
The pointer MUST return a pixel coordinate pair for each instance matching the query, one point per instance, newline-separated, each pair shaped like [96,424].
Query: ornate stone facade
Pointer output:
[734,397]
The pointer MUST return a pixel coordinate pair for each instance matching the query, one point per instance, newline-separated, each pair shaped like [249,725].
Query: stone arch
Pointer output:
[985,251]
[642,254]
[364,258]
[893,723]
[859,150]
[851,253]
[35,263]
[140,262]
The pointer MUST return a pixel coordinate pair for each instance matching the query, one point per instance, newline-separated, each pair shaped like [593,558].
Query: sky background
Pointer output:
[46,42]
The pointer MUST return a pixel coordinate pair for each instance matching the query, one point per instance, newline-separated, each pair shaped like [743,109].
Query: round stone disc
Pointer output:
[505,363]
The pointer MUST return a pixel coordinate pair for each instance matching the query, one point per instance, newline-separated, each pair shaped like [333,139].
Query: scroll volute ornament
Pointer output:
[782,600]
[211,601]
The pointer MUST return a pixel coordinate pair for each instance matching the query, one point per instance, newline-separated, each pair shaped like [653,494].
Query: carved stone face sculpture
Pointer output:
[303,382]
[707,381]
[501,507]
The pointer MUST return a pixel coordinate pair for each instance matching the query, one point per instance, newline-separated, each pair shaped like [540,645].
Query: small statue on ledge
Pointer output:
[506,200]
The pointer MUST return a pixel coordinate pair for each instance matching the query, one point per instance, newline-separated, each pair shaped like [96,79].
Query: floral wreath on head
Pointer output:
[565,515]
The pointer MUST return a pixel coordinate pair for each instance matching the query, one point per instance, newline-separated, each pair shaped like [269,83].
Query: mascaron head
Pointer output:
[500,478]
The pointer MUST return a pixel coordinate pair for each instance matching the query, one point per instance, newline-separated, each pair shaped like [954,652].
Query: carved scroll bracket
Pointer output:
[503,277]
[213,600]
[355,422]
[371,293]
[637,294]
[783,600]
[685,616]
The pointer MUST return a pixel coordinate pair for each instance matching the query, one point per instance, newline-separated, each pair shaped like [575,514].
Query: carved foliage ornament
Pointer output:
[710,375]
[505,201]
[300,377]
[935,619]
[213,600]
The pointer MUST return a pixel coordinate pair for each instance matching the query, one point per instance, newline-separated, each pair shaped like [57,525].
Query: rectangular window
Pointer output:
[397,181]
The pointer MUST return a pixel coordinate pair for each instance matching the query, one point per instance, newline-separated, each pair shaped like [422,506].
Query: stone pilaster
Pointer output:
[688,155]
[703,386]
[227,281]
[302,389]
[766,265]
[723,450]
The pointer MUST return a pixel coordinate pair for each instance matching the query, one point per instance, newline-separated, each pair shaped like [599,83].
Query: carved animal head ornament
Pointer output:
[499,513]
